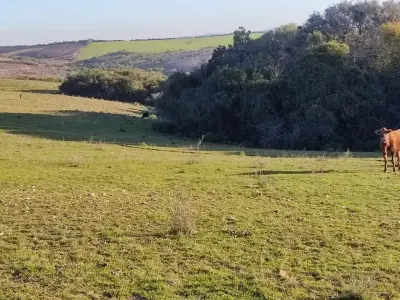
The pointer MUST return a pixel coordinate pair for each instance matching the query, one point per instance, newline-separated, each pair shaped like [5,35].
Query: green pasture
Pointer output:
[97,49]
[96,205]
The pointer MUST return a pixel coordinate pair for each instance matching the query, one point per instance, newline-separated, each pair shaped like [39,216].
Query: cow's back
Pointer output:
[393,140]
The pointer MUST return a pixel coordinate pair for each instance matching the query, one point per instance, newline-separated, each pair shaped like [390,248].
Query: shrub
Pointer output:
[127,85]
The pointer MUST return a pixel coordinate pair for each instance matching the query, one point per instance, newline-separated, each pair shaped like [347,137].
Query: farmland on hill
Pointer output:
[39,61]
[98,49]
[90,211]
[57,51]
[19,68]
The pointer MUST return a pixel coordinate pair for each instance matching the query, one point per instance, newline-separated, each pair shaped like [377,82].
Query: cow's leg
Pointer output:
[394,165]
[398,160]
[385,160]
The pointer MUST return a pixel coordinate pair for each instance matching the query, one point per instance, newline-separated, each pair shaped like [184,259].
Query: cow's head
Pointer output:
[383,134]
[382,131]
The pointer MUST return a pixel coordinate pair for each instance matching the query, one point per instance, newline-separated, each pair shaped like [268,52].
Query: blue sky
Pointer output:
[43,21]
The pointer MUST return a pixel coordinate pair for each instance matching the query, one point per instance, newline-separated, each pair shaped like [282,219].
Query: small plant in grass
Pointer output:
[320,164]
[347,154]
[356,290]
[321,158]
[75,161]
[182,217]
[91,139]
[259,163]
[193,158]
[350,295]
[188,148]
[142,145]
[100,144]
[262,180]
[200,141]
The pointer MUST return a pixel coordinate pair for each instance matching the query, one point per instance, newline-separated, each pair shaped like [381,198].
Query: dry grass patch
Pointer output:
[76,160]
[182,216]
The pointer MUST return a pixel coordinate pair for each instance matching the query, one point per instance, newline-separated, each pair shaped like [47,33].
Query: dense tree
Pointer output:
[324,85]
[330,101]
[389,65]
[391,38]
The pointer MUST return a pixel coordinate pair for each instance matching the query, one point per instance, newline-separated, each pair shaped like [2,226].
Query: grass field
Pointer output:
[97,49]
[82,217]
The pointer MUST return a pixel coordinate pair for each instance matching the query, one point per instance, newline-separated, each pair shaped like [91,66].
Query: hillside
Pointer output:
[57,59]
[10,68]
[168,62]
[57,51]
[84,217]
[38,61]
[98,49]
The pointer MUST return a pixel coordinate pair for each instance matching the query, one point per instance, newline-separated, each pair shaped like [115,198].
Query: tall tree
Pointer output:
[241,36]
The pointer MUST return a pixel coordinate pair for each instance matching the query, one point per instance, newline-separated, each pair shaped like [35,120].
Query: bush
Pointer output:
[130,85]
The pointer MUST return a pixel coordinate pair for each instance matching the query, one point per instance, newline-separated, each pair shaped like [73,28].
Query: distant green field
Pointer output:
[97,49]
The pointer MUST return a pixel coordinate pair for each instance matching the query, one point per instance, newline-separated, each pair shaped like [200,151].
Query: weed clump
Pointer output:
[75,161]
[193,158]
[182,217]
[350,295]
[347,154]
[357,290]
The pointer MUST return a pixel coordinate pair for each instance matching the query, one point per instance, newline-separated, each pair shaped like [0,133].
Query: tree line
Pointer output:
[327,84]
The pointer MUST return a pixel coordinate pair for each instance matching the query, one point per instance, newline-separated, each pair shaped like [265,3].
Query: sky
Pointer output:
[26,22]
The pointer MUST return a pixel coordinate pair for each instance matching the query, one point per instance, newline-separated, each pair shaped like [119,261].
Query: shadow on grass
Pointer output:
[36,91]
[300,153]
[75,125]
[83,126]
[160,235]
[286,172]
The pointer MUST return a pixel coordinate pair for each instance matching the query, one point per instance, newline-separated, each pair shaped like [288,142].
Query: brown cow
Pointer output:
[390,143]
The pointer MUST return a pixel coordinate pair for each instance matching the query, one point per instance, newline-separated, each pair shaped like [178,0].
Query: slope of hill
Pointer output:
[38,61]
[167,62]
[56,51]
[10,68]
[97,49]
[57,59]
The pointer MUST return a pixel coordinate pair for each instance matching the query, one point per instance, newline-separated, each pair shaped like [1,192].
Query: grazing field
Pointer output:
[92,202]
[98,49]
